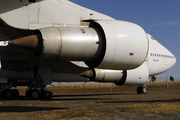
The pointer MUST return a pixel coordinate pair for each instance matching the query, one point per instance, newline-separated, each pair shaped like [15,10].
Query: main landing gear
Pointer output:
[33,93]
[9,93]
[6,92]
[36,89]
[38,94]
[142,89]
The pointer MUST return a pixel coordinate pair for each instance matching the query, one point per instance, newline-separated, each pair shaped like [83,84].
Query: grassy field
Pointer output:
[87,86]
[97,102]
[170,84]
[107,87]
[114,106]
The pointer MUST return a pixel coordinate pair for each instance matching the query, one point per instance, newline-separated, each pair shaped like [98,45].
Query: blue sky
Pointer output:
[160,18]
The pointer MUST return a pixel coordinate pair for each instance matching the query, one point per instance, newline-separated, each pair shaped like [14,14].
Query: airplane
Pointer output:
[45,41]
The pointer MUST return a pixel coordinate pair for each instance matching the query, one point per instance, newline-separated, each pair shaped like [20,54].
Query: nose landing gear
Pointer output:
[142,89]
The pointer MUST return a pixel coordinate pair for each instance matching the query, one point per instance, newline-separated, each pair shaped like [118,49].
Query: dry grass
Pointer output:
[86,86]
[107,86]
[163,109]
[111,85]
[158,108]
[169,84]
[115,106]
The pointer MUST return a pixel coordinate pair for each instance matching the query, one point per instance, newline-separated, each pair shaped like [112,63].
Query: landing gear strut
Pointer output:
[36,90]
[142,89]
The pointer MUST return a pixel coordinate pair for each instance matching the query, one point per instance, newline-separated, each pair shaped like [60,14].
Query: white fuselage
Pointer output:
[159,58]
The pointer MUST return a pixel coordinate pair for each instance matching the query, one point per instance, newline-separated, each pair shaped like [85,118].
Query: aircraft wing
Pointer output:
[9,5]
[25,14]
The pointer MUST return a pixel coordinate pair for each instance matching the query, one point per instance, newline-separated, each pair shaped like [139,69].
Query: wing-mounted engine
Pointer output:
[122,45]
[70,43]
[138,76]
[114,45]
[103,75]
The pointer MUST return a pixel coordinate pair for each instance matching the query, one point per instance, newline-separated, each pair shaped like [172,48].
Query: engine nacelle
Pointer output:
[103,75]
[126,45]
[73,44]
[138,76]
[115,45]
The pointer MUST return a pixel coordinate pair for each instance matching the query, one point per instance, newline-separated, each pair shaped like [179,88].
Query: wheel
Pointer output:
[7,94]
[35,94]
[139,90]
[28,94]
[144,90]
[15,92]
[46,94]
[0,94]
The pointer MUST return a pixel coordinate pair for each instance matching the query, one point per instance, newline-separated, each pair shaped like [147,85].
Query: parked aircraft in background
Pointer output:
[58,41]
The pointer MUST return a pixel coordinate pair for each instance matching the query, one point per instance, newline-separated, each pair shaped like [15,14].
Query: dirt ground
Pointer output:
[159,104]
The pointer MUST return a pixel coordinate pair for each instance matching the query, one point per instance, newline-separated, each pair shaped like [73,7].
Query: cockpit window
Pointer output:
[152,38]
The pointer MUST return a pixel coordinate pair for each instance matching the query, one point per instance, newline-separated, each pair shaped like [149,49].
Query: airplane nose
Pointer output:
[173,60]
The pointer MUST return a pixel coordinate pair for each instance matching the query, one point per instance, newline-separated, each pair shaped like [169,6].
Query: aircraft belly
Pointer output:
[67,77]
[17,59]
[65,67]
[18,64]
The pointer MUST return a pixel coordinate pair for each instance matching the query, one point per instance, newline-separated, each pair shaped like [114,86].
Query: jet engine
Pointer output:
[138,76]
[117,45]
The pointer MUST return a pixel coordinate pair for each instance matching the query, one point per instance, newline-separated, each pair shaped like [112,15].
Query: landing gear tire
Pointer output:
[46,94]
[35,94]
[142,90]
[27,94]
[139,90]
[15,93]
[7,94]
[0,94]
